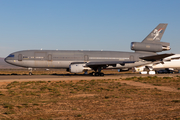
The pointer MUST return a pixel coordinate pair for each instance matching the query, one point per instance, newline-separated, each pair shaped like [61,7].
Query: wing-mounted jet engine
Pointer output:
[78,67]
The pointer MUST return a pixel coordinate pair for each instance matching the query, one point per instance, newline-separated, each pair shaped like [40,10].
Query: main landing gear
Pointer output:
[99,73]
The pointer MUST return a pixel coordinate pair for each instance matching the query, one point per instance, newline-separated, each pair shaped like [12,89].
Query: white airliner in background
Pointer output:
[168,63]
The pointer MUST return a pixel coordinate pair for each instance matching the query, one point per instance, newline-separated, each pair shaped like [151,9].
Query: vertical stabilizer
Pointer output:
[152,42]
[156,35]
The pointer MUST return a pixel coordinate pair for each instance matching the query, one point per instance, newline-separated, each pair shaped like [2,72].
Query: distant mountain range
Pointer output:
[4,65]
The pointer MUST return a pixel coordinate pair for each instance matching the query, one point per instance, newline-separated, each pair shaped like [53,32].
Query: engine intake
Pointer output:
[149,47]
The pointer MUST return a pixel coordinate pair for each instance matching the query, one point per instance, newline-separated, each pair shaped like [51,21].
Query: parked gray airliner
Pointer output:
[82,61]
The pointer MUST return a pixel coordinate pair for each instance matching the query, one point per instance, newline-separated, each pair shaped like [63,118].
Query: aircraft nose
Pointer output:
[6,59]
[9,58]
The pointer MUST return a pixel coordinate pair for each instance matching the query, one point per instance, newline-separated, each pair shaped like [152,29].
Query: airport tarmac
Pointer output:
[63,77]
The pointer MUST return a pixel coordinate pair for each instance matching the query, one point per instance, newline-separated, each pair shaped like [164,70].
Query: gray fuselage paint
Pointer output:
[63,58]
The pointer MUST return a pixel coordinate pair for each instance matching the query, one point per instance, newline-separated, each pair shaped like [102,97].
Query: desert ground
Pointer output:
[58,95]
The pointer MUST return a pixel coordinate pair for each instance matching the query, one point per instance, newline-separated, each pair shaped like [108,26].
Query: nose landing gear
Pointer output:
[30,71]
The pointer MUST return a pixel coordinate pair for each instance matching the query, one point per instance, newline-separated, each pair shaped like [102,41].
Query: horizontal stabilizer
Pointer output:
[156,57]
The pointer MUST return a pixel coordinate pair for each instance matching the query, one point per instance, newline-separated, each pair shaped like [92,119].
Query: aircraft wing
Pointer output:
[156,57]
[107,63]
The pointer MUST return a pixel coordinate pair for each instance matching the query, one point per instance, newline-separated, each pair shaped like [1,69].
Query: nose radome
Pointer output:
[6,59]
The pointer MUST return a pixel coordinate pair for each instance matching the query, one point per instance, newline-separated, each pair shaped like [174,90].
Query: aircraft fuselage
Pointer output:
[63,58]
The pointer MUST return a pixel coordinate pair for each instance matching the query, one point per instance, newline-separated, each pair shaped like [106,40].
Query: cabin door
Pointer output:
[20,57]
[49,57]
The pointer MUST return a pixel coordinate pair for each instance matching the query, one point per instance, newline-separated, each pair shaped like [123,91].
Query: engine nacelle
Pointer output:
[149,47]
[77,68]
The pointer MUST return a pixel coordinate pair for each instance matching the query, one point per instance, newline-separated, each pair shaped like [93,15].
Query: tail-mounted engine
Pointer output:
[150,47]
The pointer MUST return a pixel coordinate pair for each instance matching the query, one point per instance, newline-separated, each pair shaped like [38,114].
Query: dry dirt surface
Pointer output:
[104,98]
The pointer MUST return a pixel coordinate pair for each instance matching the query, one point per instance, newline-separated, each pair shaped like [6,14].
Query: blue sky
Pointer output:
[85,24]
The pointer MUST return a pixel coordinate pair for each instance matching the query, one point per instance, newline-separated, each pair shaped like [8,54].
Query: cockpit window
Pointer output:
[11,55]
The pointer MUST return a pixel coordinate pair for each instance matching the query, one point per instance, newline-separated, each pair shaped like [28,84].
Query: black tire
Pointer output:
[101,74]
[30,73]
[96,74]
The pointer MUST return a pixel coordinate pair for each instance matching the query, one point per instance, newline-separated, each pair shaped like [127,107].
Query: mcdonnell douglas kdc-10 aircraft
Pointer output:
[82,61]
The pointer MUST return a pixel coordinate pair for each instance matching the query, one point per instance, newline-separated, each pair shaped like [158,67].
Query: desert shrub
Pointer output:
[7,105]
[176,101]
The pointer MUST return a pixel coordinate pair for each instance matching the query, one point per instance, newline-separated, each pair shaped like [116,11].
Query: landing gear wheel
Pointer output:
[93,73]
[101,74]
[30,73]
[96,74]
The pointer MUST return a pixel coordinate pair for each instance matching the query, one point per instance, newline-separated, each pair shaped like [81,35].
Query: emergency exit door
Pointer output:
[20,57]
[49,57]
[86,58]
